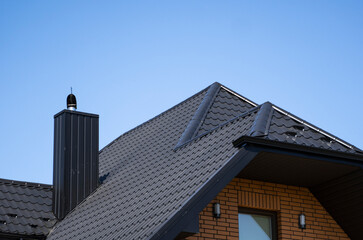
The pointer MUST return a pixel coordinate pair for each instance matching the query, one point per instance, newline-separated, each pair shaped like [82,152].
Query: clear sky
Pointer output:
[130,60]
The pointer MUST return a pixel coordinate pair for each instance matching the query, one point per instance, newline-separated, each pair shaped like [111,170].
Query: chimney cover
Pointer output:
[71,102]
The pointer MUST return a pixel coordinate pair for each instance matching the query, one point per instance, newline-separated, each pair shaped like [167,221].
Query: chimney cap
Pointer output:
[71,102]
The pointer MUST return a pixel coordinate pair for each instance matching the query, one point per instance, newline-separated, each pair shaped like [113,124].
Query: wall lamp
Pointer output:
[302,223]
[217,210]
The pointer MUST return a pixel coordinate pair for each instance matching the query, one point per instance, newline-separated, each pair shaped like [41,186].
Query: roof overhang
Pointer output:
[335,178]
[293,170]
[330,176]
[187,218]
[296,165]
[300,150]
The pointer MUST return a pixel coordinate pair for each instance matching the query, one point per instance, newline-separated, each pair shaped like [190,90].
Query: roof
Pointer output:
[155,171]
[224,107]
[25,208]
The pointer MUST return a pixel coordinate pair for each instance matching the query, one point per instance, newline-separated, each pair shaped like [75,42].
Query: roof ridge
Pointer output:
[319,130]
[262,121]
[194,124]
[219,126]
[239,96]
[151,119]
[25,184]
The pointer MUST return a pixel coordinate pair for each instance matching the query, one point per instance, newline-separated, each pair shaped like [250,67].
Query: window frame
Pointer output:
[271,214]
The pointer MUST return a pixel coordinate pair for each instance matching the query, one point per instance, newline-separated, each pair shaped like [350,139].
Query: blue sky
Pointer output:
[130,60]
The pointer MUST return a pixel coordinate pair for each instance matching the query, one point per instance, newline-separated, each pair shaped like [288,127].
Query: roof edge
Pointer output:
[25,184]
[151,119]
[356,158]
[325,133]
[239,96]
[218,127]
[204,195]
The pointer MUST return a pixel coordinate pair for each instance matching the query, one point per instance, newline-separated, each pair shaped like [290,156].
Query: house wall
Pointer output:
[287,201]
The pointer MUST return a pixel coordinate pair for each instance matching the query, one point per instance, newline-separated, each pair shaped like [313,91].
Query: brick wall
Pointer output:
[287,201]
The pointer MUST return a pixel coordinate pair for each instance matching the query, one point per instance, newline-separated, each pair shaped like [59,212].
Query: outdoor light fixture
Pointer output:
[217,210]
[302,223]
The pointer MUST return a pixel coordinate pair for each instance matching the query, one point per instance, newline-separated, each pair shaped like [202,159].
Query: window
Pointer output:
[257,224]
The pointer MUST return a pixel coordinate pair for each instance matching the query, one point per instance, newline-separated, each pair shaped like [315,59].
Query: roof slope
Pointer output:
[284,127]
[225,107]
[25,208]
[149,180]
[273,122]
[131,204]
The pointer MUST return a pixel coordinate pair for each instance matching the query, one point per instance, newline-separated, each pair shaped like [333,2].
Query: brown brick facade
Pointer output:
[287,201]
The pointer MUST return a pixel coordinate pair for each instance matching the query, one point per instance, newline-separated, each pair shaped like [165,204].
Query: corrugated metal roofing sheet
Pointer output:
[284,128]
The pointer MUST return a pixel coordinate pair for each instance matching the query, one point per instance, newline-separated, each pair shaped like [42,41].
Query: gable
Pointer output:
[286,201]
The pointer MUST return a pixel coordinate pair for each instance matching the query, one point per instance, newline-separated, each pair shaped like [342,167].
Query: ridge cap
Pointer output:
[262,121]
[219,127]
[150,120]
[199,115]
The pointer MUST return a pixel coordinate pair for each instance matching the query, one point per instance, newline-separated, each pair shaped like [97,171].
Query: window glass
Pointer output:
[254,226]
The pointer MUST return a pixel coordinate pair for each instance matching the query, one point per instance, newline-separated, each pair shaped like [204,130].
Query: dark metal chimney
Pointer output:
[75,166]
